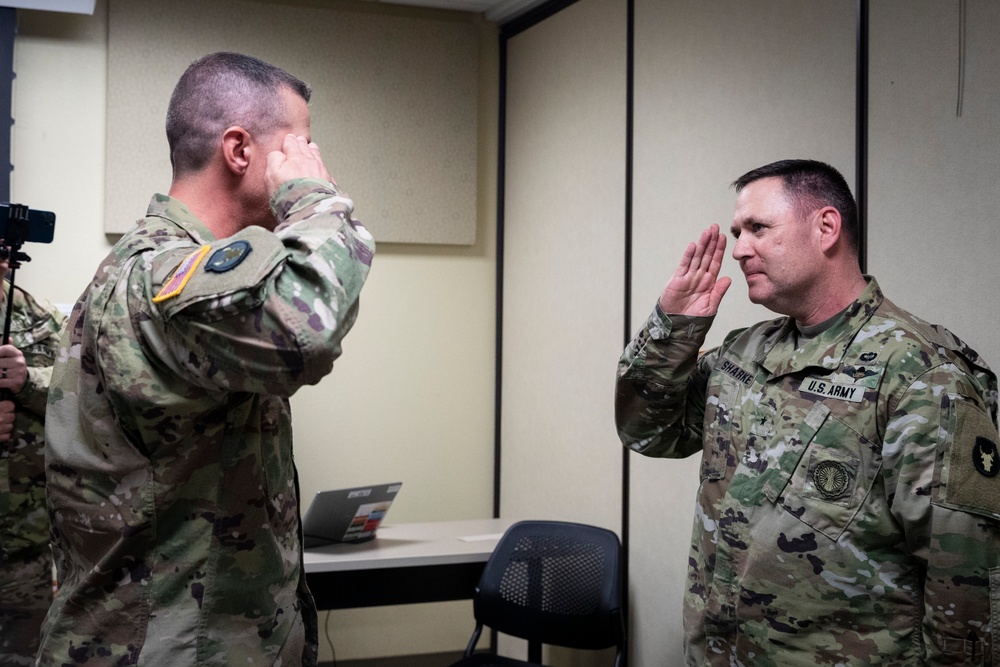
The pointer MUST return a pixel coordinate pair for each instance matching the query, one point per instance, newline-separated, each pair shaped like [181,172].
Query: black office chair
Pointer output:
[550,582]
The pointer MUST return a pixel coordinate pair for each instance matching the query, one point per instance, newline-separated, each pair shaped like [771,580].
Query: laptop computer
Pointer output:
[347,515]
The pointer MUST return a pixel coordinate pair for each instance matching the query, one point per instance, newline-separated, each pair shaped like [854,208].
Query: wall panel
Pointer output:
[935,175]
[563,265]
[394,106]
[563,276]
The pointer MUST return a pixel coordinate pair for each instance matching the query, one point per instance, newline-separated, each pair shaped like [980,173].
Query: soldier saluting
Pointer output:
[849,506]
[171,482]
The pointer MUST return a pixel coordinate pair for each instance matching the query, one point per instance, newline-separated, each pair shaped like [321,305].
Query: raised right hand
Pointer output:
[297,158]
[695,288]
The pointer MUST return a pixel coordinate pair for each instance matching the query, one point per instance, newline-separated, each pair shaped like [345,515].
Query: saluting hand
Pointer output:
[695,288]
[297,158]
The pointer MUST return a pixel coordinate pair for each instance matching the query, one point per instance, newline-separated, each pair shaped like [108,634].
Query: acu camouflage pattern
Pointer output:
[841,518]
[25,558]
[172,488]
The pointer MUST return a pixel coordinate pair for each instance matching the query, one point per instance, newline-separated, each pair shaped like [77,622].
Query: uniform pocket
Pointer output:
[720,406]
[832,479]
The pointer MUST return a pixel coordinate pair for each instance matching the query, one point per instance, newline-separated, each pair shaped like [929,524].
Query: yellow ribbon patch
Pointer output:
[182,274]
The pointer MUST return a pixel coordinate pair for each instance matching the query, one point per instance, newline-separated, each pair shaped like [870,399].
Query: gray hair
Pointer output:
[219,91]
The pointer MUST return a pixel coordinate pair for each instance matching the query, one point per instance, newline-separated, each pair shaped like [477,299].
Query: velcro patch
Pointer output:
[855,393]
[735,372]
[182,274]
[973,462]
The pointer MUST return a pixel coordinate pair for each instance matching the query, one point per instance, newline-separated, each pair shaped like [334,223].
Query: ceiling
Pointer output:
[493,10]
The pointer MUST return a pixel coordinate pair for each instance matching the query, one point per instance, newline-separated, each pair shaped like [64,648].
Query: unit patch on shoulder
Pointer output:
[985,457]
[181,275]
[970,470]
[228,257]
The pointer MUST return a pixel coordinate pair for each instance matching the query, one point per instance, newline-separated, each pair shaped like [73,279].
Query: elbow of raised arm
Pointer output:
[322,344]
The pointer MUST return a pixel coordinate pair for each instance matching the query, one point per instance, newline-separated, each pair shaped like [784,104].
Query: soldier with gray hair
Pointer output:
[848,511]
[171,483]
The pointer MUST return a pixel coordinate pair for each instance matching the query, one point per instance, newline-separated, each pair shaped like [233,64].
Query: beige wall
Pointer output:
[934,175]
[412,397]
[564,241]
[563,265]
[394,98]
[58,145]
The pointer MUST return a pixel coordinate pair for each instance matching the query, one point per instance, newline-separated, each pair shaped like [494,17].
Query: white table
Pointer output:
[405,563]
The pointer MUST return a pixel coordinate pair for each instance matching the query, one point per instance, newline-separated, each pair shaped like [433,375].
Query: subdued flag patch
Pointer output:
[182,274]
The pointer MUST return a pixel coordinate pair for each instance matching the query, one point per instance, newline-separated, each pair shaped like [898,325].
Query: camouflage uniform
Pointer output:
[25,558]
[849,499]
[172,489]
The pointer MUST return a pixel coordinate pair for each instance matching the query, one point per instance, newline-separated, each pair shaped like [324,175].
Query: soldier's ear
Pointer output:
[828,226]
[236,149]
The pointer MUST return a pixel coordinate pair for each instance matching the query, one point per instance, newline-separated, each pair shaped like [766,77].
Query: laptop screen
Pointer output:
[347,515]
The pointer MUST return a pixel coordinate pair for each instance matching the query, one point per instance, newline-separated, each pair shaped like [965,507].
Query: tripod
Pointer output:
[10,249]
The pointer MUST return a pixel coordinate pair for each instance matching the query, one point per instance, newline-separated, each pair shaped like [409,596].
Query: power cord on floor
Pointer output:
[326,629]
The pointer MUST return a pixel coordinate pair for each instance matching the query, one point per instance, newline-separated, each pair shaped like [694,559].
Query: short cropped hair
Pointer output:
[218,91]
[810,185]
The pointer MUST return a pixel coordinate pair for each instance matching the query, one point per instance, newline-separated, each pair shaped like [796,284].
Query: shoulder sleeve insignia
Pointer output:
[181,275]
[985,457]
[228,257]
[970,469]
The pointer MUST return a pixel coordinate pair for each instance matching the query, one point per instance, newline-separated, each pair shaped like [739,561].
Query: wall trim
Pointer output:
[861,133]
[8,30]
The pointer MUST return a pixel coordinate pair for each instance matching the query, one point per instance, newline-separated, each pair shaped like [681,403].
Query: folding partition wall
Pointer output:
[698,94]
[560,308]
[934,166]
[563,240]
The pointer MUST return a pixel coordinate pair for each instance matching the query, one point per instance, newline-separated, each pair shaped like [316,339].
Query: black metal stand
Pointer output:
[15,235]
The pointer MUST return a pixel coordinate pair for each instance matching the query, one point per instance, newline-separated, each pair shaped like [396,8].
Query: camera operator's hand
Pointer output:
[6,420]
[13,369]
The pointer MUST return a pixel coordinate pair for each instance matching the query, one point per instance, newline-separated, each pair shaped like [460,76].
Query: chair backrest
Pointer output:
[554,582]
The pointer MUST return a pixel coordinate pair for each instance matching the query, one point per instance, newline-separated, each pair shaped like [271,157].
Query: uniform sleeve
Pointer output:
[941,461]
[660,389]
[39,349]
[262,311]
